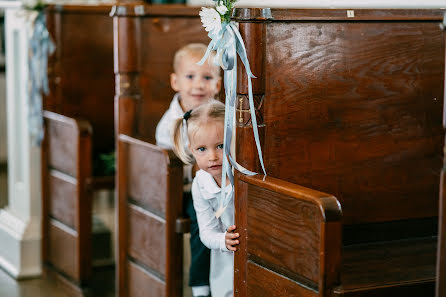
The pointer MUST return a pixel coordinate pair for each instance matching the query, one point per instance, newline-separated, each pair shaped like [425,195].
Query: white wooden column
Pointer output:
[20,222]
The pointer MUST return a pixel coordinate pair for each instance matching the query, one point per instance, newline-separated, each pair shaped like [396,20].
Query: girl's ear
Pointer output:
[174,82]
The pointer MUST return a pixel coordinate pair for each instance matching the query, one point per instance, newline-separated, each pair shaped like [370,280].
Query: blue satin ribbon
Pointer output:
[40,47]
[228,43]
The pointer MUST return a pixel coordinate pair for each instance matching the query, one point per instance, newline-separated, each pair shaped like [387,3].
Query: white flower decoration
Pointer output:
[30,3]
[222,9]
[211,20]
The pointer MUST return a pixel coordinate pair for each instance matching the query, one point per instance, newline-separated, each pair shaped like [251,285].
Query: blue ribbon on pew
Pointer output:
[228,43]
[40,47]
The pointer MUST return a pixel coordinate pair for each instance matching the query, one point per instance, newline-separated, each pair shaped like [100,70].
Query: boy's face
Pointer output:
[196,84]
[206,145]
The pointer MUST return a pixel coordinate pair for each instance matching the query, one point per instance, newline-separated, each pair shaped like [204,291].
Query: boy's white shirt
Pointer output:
[164,133]
[212,231]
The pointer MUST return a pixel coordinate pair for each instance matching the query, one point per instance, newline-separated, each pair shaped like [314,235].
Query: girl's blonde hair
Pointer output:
[211,111]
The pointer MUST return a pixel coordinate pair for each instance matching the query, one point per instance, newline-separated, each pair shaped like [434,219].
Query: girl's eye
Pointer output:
[220,146]
[201,149]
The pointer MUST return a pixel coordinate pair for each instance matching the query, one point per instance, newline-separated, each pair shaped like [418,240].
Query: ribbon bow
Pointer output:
[228,43]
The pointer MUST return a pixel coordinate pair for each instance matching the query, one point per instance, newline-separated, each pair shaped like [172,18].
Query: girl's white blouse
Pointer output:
[212,231]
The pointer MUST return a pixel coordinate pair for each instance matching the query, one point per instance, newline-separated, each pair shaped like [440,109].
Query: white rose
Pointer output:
[222,9]
[30,3]
[211,20]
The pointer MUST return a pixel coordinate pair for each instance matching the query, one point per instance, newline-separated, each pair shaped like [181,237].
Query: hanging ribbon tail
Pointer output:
[241,50]
[240,168]
[40,47]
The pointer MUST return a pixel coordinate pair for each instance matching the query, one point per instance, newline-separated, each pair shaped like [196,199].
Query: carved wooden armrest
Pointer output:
[328,205]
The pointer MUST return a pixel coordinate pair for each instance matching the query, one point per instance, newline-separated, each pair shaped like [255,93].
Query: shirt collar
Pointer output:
[208,187]
[176,106]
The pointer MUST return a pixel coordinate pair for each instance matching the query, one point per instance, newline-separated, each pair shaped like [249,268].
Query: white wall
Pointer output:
[334,3]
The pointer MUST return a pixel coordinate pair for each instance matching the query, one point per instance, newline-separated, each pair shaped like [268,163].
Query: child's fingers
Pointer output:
[230,229]
[231,242]
[232,235]
[230,248]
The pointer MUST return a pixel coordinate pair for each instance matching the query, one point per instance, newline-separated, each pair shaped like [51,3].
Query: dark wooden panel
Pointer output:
[62,146]
[172,33]
[389,264]
[62,249]
[265,283]
[147,178]
[361,115]
[441,248]
[412,289]
[147,239]
[82,78]
[62,198]
[142,283]
[292,226]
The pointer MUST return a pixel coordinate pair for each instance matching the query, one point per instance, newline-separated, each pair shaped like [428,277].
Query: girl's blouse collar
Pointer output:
[208,187]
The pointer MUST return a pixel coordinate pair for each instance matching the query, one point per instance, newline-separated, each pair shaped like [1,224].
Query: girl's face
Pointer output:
[206,145]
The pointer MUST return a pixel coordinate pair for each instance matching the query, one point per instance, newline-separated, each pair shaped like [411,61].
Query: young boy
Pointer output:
[194,85]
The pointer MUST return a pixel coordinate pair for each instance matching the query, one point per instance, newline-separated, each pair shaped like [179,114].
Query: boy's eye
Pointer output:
[208,77]
[189,76]
[220,146]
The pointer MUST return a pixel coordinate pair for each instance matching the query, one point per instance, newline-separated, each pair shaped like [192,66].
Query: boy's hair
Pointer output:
[211,111]
[194,49]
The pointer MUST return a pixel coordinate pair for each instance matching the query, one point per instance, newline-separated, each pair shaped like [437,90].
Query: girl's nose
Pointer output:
[213,155]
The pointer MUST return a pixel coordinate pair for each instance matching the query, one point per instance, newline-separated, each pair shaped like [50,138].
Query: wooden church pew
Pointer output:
[440,284]
[79,123]
[349,103]
[150,179]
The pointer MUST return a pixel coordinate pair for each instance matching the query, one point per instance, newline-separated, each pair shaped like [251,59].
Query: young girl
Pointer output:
[204,127]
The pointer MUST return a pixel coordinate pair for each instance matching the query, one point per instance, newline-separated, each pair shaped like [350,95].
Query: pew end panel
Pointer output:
[291,246]
[68,187]
[67,199]
[150,205]
[290,238]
